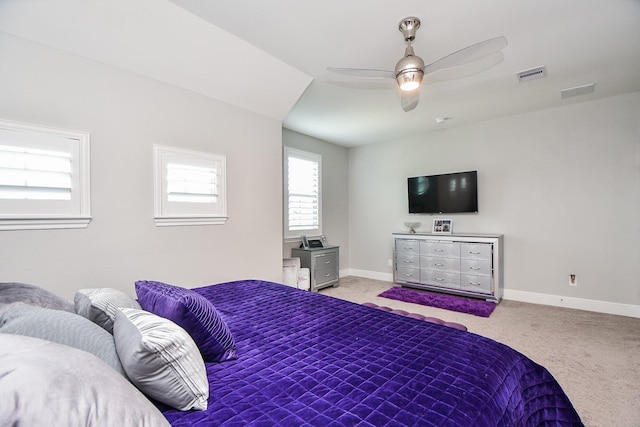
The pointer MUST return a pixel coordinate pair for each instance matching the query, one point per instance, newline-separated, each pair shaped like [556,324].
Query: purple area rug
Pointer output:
[448,302]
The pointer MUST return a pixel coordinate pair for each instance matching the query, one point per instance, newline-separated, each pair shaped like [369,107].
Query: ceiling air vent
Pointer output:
[532,74]
[578,90]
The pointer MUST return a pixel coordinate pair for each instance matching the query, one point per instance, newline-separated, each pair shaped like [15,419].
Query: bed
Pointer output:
[309,359]
[274,355]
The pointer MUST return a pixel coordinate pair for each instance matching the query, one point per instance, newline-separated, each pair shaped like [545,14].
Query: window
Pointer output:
[190,187]
[302,199]
[44,177]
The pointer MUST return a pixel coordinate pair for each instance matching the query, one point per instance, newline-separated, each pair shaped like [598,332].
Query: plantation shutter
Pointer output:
[35,174]
[190,187]
[191,184]
[303,178]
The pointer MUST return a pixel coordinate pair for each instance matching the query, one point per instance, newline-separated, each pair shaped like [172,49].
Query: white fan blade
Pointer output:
[409,99]
[367,85]
[465,70]
[363,72]
[468,54]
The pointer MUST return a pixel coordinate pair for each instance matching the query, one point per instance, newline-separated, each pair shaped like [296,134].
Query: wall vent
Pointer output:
[578,90]
[532,74]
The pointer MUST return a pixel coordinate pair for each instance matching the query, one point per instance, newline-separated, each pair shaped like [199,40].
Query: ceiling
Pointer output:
[282,48]
[579,41]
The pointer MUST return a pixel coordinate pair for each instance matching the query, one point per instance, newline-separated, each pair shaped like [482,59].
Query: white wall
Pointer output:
[335,208]
[126,114]
[562,185]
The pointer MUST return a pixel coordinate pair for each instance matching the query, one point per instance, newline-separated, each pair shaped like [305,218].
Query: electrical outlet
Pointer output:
[573,280]
[390,262]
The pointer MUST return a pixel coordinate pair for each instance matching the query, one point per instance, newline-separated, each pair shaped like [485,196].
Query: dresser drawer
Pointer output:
[408,274]
[324,275]
[476,250]
[440,278]
[478,267]
[440,264]
[481,284]
[406,246]
[329,260]
[407,260]
[440,249]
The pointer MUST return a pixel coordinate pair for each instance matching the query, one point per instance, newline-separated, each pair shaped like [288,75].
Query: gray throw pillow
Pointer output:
[33,295]
[99,305]
[45,383]
[61,327]
[161,359]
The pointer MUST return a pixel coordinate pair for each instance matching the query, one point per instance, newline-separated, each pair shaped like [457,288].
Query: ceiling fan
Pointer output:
[411,69]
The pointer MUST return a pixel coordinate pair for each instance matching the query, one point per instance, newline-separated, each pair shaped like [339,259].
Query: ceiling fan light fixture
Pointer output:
[409,79]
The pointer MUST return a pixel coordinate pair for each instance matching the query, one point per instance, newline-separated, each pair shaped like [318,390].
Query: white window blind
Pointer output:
[303,202]
[28,173]
[44,177]
[191,184]
[190,187]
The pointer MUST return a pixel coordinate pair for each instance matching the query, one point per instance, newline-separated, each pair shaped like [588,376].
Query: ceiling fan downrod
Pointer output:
[410,69]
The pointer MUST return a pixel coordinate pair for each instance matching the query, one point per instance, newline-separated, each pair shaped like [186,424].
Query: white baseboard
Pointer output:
[375,275]
[530,297]
[576,303]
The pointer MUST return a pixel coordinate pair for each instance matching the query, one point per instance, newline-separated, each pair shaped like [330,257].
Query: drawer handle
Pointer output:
[439,279]
[474,268]
[475,253]
[327,275]
[475,283]
[406,261]
[408,275]
[438,250]
[438,265]
[327,262]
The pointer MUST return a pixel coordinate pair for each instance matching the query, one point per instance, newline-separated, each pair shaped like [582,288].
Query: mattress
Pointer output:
[306,359]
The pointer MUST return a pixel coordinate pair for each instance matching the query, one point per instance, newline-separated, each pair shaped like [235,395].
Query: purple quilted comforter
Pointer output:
[309,359]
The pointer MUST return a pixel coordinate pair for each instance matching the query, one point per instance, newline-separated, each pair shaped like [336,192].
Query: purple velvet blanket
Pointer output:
[309,359]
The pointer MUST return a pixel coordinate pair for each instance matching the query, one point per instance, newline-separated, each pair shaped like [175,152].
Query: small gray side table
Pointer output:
[323,264]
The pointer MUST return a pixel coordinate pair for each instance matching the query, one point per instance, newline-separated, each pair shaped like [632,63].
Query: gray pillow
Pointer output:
[45,383]
[32,295]
[61,327]
[99,305]
[161,359]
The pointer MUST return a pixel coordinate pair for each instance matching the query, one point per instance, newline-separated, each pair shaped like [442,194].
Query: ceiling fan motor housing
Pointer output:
[409,70]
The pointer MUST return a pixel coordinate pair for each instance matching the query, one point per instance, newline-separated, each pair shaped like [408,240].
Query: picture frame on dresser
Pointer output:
[442,226]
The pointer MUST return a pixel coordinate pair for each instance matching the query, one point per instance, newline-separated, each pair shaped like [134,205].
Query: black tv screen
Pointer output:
[446,193]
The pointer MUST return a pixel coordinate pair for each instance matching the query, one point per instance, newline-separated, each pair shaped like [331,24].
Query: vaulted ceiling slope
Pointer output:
[579,41]
[160,40]
[262,55]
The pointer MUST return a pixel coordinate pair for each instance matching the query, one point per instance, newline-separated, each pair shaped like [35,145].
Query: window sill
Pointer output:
[43,223]
[167,221]
[298,239]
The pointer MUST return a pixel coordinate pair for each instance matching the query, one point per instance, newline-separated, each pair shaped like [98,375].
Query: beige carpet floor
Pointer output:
[595,357]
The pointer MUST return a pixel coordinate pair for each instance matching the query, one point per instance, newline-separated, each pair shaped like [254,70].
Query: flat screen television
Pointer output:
[446,193]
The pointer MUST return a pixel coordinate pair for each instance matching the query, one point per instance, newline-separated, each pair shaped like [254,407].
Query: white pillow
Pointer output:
[161,359]
[99,305]
[43,383]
